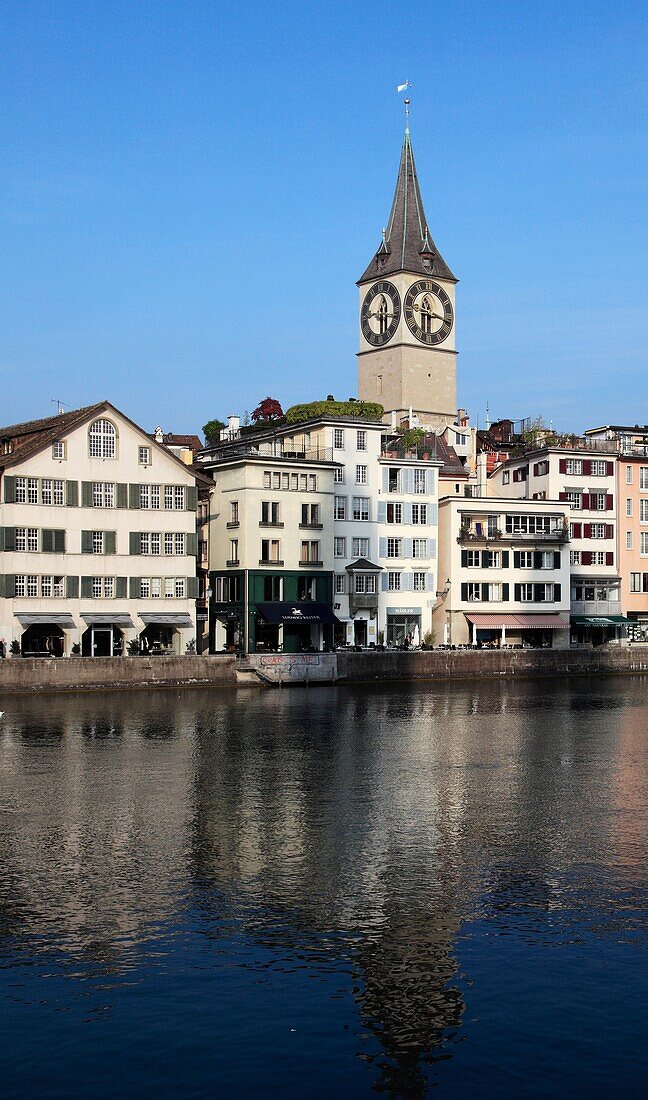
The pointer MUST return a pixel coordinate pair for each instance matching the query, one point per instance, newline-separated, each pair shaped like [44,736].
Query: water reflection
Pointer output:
[352,833]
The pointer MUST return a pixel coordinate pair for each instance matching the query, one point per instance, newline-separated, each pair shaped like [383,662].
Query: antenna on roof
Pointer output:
[59,405]
[487,417]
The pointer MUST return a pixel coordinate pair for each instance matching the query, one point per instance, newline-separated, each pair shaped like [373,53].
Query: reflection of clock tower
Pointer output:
[407,356]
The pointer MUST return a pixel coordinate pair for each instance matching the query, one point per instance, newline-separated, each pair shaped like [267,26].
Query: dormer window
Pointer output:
[102,439]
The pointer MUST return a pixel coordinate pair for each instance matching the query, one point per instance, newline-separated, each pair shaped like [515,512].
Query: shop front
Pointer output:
[104,633]
[162,633]
[44,634]
[294,627]
[597,630]
[637,627]
[403,627]
[526,631]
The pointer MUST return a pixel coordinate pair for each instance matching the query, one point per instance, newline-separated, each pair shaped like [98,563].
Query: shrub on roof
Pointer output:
[362,410]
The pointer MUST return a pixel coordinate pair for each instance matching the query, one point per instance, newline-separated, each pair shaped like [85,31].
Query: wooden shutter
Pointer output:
[133,496]
[121,495]
[585,501]
[464,593]
[191,498]
[8,586]
[407,582]
[8,538]
[72,588]
[609,558]
[505,559]
[134,542]
[382,511]
[9,489]
[578,530]
[191,544]
[120,587]
[536,469]
[384,581]
[562,496]
[609,502]
[484,592]
[429,582]
[609,530]
[562,465]
[382,548]
[86,588]
[86,494]
[516,559]
[517,592]
[59,541]
[110,542]
[556,559]
[609,468]
[407,548]
[47,540]
[72,494]
[505,592]
[134,587]
[587,530]
[587,467]
[586,557]
[557,593]
[484,559]
[537,559]
[464,559]
[385,479]
[192,588]
[86,542]
[407,512]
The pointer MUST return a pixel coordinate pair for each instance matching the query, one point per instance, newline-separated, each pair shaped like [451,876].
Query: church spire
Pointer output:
[407,244]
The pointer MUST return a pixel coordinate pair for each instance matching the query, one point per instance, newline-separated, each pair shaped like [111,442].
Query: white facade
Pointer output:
[98,538]
[504,573]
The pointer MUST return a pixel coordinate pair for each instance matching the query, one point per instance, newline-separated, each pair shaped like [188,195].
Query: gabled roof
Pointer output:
[407,244]
[363,565]
[35,435]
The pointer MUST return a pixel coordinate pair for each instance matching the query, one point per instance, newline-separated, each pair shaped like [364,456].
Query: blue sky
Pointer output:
[188,192]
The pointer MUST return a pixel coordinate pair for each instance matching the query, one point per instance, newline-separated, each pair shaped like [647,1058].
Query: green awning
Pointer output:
[598,620]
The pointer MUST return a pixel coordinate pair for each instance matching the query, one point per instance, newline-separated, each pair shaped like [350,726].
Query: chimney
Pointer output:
[233,423]
[158,435]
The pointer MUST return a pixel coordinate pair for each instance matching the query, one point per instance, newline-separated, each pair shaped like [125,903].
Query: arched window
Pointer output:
[426,314]
[382,314]
[102,437]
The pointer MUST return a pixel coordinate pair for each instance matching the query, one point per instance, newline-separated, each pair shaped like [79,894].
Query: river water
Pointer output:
[326,892]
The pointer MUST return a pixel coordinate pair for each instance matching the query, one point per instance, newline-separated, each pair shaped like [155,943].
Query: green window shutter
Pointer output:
[192,588]
[8,586]
[134,542]
[120,588]
[86,588]
[191,543]
[72,494]
[9,538]
[134,587]
[72,588]
[86,494]
[191,498]
[9,489]
[86,542]
[47,540]
[133,496]
[122,495]
[110,542]
[59,541]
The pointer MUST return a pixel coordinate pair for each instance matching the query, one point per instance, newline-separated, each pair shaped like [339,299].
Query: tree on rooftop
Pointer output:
[268,409]
[212,431]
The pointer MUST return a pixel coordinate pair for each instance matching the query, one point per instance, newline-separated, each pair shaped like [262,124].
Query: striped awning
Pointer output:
[165,618]
[107,618]
[518,622]
[54,618]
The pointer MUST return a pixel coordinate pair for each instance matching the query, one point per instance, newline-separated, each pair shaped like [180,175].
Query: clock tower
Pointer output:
[407,357]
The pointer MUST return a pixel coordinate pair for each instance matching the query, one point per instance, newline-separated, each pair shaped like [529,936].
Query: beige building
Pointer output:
[98,526]
[503,573]
[407,354]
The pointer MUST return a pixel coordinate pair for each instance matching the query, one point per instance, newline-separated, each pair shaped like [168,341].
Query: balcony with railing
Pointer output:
[472,535]
[265,449]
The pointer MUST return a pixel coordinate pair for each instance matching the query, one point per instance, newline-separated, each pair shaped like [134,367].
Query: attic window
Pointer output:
[58,450]
[102,439]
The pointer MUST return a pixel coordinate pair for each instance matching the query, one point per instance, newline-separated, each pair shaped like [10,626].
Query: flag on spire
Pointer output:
[403,87]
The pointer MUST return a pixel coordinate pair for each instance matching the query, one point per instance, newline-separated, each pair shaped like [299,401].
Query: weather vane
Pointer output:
[403,88]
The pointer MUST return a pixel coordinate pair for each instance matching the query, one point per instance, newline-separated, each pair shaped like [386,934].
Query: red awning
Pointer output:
[518,622]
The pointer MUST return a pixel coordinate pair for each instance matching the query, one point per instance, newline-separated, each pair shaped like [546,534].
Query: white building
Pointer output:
[504,573]
[98,525]
[584,478]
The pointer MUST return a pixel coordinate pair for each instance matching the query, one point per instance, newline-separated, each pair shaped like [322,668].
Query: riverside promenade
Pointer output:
[30,675]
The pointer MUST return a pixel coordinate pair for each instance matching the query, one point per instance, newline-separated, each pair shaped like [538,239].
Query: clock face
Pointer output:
[380,313]
[428,312]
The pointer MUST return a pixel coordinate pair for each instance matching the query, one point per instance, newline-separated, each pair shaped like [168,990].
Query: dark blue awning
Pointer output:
[295,613]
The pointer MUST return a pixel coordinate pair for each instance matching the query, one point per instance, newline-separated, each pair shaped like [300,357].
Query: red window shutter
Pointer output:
[586,501]
[562,465]
[586,557]
[609,468]
[578,530]
[587,467]
[562,496]
[609,530]
[587,530]
[609,502]
[536,468]
[609,559]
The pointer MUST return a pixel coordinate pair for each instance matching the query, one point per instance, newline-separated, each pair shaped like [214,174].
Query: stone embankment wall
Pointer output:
[23,674]
[489,664]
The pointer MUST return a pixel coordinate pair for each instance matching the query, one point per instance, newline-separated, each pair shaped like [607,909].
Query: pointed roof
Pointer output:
[407,244]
